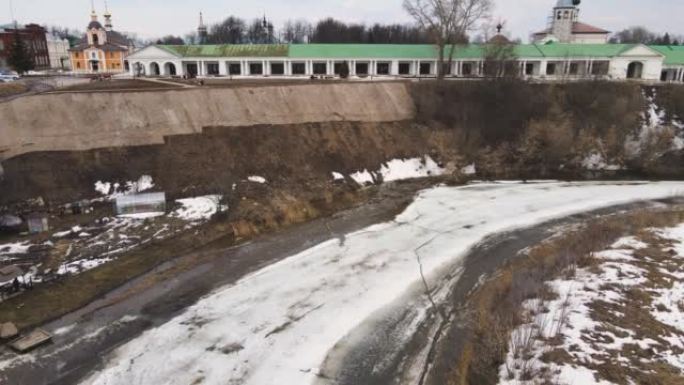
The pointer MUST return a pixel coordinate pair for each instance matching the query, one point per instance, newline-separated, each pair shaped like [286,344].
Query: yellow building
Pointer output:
[101,50]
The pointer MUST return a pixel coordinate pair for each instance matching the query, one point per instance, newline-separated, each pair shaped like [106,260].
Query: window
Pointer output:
[600,68]
[78,65]
[320,68]
[383,68]
[337,67]
[574,68]
[298,68]
[529,69]
[551,69]
[404,68]
[96,39]
[277,69]
[467,69]
[212,69]
[559,15]
[362,69]
[256,69]
[425,68]
[234,69]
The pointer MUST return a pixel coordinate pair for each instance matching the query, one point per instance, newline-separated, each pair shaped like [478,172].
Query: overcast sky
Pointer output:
[154,18]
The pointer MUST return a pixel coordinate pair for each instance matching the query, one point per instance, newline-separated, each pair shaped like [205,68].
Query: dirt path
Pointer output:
[397,347]
[83,338]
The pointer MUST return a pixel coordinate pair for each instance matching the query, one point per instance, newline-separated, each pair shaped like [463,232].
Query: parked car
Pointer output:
[7,78]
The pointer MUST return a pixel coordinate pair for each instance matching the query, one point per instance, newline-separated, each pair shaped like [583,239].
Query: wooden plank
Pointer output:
[30,341]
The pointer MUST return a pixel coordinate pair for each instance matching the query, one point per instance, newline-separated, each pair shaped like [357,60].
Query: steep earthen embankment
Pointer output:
[85,121]
[206,140]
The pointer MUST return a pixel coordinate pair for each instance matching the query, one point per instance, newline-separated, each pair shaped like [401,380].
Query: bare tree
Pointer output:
[448,23]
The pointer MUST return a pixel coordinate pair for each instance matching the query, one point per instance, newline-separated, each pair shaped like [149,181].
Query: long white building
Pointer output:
[550,61]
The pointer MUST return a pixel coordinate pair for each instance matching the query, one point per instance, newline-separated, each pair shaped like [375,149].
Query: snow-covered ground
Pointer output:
[101,242]
[277,325]
[571,319]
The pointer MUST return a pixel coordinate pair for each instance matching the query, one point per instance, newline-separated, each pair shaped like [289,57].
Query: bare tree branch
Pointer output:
[448,22]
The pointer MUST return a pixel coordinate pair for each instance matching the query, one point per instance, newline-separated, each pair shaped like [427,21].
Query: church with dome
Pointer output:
[101,49]
[565,27]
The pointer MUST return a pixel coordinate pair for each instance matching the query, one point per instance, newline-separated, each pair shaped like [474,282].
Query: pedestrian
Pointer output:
[15,285]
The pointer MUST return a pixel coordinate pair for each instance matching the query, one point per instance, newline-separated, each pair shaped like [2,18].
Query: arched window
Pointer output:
[96,39]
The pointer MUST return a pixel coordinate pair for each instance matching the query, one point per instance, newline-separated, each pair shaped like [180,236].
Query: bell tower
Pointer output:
[565,15]
[202,30]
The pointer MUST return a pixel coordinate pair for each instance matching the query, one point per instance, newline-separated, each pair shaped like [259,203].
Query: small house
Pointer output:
[140,204]
[37,223]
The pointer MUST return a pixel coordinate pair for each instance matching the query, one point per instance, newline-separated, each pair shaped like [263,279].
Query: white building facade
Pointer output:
[553,61]
[58,49]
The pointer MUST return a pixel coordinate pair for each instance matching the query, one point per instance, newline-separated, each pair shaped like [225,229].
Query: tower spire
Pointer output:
[202,30]
[93,14]
[108,17]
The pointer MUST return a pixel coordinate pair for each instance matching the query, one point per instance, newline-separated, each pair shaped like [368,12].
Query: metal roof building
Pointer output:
[550,61]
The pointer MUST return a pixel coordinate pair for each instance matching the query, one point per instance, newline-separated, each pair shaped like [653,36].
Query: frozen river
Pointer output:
[277,326]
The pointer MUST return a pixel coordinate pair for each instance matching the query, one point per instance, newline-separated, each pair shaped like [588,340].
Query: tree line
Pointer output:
[641,35]
[234,30]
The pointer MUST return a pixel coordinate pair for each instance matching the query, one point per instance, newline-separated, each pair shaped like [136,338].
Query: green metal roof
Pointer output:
[363,51]
[394,51]
[583,50]
[674,54]
[228,50]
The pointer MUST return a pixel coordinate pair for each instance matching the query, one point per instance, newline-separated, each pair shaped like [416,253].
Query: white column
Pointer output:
[352,69]
[394,68]
[223,68]
[180,70]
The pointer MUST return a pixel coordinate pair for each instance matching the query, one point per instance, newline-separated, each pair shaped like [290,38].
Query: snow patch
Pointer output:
[112,190]
[363,177]
[400,169]
[469,169]
[199,208]
[257,179]
[15,248]
[337,176]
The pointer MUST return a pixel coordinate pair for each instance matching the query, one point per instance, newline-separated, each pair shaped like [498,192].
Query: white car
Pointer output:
[5,78]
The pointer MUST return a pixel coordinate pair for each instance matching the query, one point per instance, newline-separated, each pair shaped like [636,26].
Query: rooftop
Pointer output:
[407,51]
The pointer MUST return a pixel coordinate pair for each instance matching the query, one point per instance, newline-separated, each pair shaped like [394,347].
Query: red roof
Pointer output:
[578,28]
